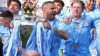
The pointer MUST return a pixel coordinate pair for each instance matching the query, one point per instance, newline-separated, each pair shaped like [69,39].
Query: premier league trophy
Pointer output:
[26,26]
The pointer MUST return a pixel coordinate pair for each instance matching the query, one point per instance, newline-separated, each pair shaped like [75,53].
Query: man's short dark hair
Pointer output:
[81,2]
[6,13]
[19,3]
[60,1]
[46,3]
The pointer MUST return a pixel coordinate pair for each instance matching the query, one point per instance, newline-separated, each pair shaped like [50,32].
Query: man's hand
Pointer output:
[36,19]
[67,20]
[46,25]
[34,2]
[61,33]
[44,21]
[3,42]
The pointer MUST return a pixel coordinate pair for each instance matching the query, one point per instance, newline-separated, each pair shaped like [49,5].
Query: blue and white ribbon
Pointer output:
[38,37]
[10,50]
